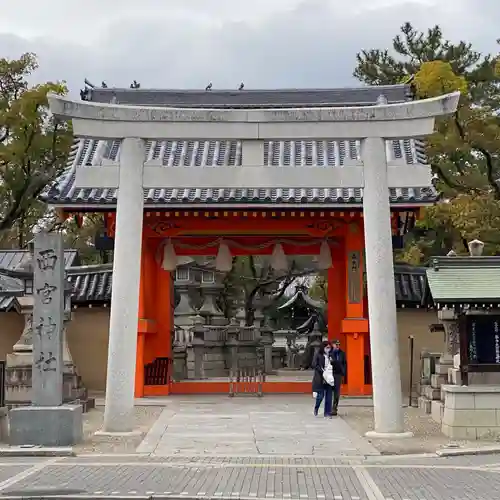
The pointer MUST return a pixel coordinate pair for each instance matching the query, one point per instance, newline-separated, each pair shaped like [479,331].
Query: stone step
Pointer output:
[430,393]
[442,369]
[424,404]
[437,411]
[454,376]
[438,380]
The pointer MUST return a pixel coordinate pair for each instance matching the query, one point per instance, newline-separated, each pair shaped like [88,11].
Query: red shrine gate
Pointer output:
[300,232]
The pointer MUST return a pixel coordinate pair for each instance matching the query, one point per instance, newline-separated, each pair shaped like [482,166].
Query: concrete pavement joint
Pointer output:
[155,434]
[199,465]
[27,473]
[368,484]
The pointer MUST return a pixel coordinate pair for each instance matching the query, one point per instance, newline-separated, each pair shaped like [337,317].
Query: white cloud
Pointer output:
[186,43]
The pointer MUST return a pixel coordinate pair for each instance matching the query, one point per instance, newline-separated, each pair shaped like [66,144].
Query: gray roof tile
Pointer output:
[171,153]
[8,304]
[252,98]
[92,284]
[11,259]
[410,284]
[330,154]
[464,279]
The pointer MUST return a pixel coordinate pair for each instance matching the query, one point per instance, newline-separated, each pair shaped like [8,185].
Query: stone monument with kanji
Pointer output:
[47,422]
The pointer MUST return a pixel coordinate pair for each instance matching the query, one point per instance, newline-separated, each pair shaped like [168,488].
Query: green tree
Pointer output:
[34,147]
[464,152]
[252,278]
[80,233]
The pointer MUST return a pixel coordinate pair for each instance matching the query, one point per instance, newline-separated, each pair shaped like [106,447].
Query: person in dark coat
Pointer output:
[339,372]
[323,362]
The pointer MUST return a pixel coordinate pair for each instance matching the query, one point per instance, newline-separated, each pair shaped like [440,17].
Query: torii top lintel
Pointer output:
[115,121]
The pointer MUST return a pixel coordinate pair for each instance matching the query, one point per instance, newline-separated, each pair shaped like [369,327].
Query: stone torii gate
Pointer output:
[375,173]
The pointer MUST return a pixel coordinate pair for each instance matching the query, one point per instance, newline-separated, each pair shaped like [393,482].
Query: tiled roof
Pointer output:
[92,284]
[410,284]
[251,98]
[11,259]
[333,154]
[173,153]
[8,304]
[11,287]
[464,280]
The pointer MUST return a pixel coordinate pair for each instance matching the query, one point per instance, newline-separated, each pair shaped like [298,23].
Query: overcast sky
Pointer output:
[187,43]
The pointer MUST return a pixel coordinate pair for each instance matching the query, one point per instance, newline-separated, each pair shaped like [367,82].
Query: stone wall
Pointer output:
[471,412]
[88,341]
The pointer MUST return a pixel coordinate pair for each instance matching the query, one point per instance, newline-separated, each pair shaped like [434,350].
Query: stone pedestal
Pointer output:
[199,350]
[471,412]
[18,377]
[46,425]
[232,347]
[180,363]
[267,341]
[4,425]
[48,422]
[451,331]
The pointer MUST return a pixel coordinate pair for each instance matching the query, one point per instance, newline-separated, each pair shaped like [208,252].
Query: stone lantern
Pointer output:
[211,288]
[476,248]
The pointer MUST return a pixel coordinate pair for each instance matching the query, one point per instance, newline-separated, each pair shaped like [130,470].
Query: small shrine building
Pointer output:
[332,173]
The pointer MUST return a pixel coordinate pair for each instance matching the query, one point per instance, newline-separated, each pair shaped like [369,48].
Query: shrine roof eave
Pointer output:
[468,301]
[9,303]
[252,98]
[251,205]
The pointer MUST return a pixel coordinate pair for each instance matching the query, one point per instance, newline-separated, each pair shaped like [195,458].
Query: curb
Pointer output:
[457,452]
[37,451]
[140,496]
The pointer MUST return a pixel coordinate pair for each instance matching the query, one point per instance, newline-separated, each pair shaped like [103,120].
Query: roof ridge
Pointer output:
[254,90]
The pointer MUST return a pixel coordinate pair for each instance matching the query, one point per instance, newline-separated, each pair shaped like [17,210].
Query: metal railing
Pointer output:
[246,382]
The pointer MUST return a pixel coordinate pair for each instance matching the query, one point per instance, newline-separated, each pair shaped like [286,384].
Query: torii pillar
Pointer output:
[375,174]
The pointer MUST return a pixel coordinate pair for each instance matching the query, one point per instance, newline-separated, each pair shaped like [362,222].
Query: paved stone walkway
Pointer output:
[231,478]
[280,425]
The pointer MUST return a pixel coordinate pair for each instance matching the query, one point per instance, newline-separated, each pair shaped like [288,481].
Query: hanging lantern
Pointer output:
[325,256]
[279,261]
[224,259]
[169,257]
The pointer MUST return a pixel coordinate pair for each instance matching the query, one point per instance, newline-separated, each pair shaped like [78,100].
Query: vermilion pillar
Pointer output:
[336,293]
[146,327]
[139,358]
[354,325]
[164,313]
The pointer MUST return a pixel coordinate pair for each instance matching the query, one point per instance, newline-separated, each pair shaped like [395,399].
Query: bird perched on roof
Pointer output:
[208,87]
[242,86]
[104,85]
[88,84]
[135,85]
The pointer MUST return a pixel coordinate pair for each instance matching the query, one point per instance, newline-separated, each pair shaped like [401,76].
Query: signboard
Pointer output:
[483,339]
